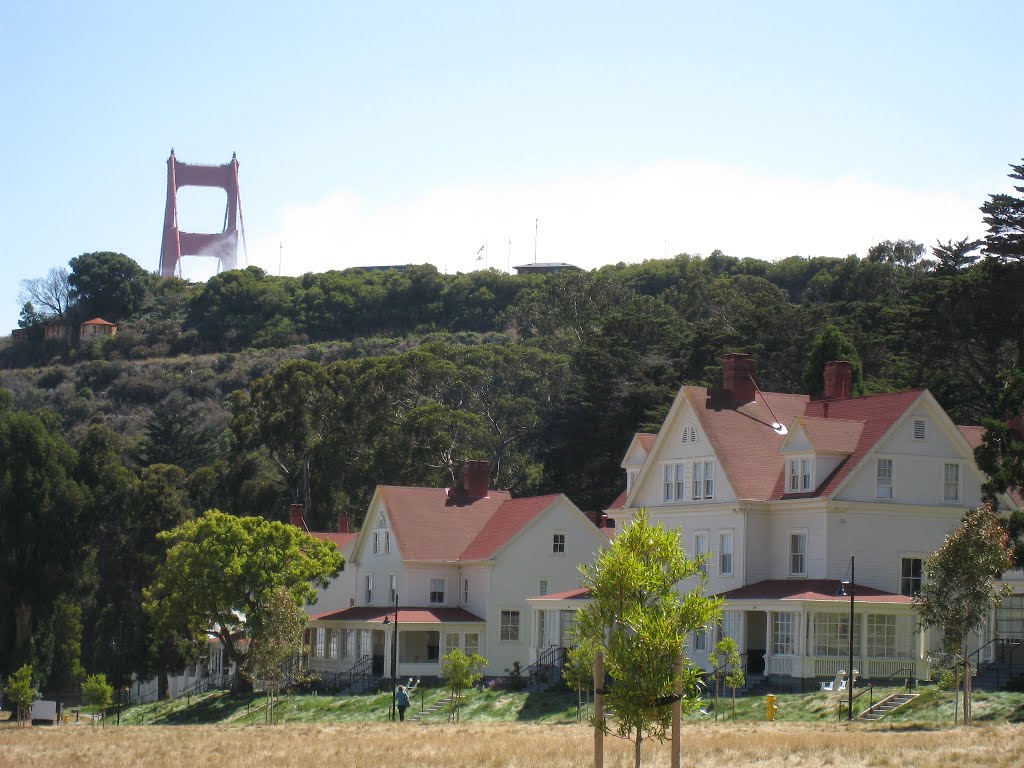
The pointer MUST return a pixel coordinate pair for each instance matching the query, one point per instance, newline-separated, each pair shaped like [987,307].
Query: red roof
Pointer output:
[97,321]
[374,613]
[973,434]
[647,440]
[620,501]
[340,539]
[810,589]
[748,447]
[438,524]
[581,593]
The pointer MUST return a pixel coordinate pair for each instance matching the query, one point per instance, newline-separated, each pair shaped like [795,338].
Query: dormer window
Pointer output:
[631,476]
[689,434]
[800,473]
[920,429]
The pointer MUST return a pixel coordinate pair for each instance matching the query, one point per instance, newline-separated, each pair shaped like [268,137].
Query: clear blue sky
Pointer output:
[402,132]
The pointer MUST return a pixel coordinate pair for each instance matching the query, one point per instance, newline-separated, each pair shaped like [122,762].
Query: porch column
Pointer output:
[769,621]
[863,619]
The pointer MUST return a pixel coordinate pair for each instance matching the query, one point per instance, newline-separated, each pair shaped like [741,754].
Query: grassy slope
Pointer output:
[932,707]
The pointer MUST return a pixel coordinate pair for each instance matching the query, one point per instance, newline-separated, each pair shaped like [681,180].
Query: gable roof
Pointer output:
[831,435]
[431,615]
[438,524]
[97,321]
[341,540]
[748,448]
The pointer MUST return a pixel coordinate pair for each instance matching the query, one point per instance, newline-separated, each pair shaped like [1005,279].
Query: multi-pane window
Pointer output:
[725,553]
[345,638]
[332,643]
[558,544]
[451,642]
[393,593]
[631,476]
[784,634]
[700,640]
[882,635]
[799,475]
[381,542]
[320,646]
[471,643]
[951,484]
[369,589]
[510,625]
[703,480]
[700,549]
[437,591]
[731,623]
[543,587]
[675,485]
[832,635]
[884,485]
[910,576]
[798,554]
[465,590]
[433,645]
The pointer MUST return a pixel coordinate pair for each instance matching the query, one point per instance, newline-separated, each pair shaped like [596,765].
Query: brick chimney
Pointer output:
[838,379]
[297,517]
[738,377]
[343,522]
[476,475]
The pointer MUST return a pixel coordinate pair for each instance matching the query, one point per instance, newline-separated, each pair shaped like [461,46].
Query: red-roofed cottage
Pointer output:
[780,491]
[462,562]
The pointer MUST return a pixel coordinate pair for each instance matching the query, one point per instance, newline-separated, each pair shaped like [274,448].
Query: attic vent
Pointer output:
[920,429]
[689,434]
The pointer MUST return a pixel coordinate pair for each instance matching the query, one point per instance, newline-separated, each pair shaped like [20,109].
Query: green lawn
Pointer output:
[931,707]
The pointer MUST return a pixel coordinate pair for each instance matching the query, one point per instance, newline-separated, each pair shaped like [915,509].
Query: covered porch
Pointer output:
[363,636]
[552,618]
[802,629]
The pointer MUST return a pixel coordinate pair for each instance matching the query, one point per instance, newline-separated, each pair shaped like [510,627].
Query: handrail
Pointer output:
[870,690]
[719,668]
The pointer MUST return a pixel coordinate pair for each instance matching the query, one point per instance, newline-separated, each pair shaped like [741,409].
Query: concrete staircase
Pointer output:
[438,705]
[887,705]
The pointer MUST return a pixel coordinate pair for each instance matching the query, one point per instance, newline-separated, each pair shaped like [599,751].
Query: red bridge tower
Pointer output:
[222,246]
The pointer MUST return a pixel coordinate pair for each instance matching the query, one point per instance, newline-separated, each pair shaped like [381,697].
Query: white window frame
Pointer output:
[702,480]
[450,646]
[794,553]
[689,435]
[884,472]
[320,645]
[832,635]
[888,646]
[673,482]
[542,587]
[951,487]
[436,596]
[700,640]
[701,546]
[394,589]
[369,589]
[558,543]
[801,474]
[726,540]
[784,633]
[907,583]
[631,476]
[465,591]
[471,646]
[510,626]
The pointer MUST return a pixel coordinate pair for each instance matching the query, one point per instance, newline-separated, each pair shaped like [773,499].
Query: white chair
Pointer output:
[836,685]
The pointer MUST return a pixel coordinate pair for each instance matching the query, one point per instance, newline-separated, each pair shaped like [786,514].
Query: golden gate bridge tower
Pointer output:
[222,246]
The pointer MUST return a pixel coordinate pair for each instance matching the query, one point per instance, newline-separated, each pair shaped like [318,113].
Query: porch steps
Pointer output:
[887,705]
[438,705]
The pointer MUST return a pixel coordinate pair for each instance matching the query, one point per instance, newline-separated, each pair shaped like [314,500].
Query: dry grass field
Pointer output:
[494,745]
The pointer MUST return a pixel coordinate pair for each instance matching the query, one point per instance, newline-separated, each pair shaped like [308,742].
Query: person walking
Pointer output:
[403,702]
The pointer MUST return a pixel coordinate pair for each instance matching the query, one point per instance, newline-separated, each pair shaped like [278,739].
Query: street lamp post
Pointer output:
[394,658]
[843,588]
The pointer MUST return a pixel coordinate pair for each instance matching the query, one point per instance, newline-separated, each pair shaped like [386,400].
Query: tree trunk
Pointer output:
[163,685]
[636,751]
[22,635]
[241,683]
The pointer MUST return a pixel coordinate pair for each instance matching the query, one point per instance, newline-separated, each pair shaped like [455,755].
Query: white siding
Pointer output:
[518,569]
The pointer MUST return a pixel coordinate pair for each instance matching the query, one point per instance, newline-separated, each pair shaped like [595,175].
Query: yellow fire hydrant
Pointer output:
[771,706]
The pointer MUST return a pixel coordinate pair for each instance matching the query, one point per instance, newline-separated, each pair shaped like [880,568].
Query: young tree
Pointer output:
[22,692]
[960,589]
[578,672]
[97,692]
[639,619]
[276,641]
[460,672]
[727,652]
[222,572]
